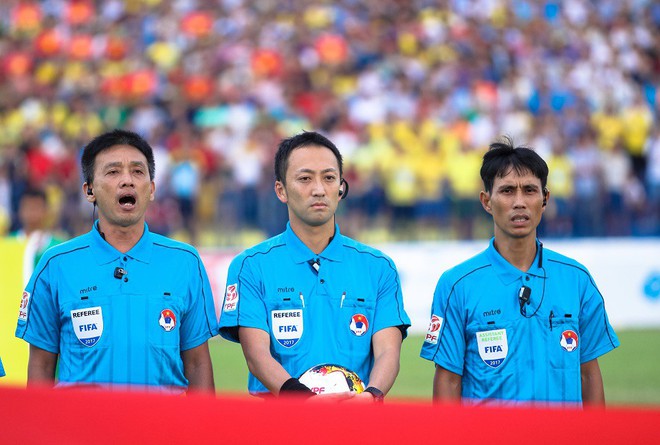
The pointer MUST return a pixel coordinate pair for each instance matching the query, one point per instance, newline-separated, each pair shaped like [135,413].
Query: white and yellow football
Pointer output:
[331,379]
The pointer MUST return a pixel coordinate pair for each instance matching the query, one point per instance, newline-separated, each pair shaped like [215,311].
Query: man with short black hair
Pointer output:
[311,295]
[119,306]
[517,322]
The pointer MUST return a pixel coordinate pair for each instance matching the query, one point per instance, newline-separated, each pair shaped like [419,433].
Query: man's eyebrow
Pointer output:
[119,164]
[309,170]
[528,185]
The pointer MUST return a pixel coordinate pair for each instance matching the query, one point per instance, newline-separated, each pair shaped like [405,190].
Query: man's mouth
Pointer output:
[127,201]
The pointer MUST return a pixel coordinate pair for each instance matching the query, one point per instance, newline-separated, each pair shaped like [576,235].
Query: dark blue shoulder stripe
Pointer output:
[238,277]
[451,293]
[39,275]
[201,279]
[593,283]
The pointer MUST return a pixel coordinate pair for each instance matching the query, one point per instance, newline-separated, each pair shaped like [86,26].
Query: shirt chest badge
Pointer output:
[287,326]
[569,340]
[493,347]
[88,325]
[359,325]
[167,320]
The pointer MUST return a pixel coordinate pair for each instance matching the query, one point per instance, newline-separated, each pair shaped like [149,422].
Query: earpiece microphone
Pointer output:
[89,191]
[343,193]
[545,197]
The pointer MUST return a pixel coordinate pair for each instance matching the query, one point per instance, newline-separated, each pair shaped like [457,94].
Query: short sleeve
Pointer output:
[444,343]
[38,319]
[389,304]
[597,335]
[200,322]
[243,303]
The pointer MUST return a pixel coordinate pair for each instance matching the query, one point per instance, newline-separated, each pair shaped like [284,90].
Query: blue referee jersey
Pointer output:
[317,308]
[479,331]
[119,319]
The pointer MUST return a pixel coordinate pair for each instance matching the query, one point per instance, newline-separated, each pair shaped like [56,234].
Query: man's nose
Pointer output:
[317,187]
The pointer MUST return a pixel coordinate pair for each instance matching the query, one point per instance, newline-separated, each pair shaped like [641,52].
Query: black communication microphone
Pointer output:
[89,191]
[120,272]
[315,264]
[523,297]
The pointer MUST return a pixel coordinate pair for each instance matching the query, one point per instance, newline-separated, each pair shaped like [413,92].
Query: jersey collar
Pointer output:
[105,253]
[506,271]
[302,254]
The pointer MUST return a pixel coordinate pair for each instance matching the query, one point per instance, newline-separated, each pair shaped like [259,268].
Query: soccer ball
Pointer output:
[331,379]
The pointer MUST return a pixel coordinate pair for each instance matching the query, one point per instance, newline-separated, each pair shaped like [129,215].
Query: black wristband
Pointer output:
[377,393]
[293,385]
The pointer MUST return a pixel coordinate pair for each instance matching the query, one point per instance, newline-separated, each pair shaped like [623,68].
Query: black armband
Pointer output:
[377,393]
[293,385]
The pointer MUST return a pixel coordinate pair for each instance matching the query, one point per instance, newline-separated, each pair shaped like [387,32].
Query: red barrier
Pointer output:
[80,417]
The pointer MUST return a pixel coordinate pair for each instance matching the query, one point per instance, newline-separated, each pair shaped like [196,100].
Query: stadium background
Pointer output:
[411,91]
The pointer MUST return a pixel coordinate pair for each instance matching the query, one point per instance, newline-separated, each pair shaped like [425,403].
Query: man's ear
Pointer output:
[152,195]
[485,201]
[89,192]
[280,191]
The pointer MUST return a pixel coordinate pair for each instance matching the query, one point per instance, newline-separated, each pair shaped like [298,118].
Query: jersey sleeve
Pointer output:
[597,335]
[389,304]
[444,343]
[200,322]
[243,304]
[38,318]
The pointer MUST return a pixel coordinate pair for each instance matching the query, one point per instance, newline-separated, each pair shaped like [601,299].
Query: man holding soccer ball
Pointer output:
[312,296]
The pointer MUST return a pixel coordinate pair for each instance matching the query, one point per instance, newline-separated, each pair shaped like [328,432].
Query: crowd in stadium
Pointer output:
[412,93]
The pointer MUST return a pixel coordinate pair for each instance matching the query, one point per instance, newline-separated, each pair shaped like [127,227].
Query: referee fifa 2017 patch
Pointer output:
[231,298]
[287,326]
[88,325]
[23,310]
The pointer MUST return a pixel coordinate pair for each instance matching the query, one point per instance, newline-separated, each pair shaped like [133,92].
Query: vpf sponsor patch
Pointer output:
[23,309]
[434,330]
[231,298]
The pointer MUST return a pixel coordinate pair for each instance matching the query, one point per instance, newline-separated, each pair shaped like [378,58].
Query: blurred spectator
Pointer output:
[404,87]
[35,228]
[557,219]
[588,215]
[617,171]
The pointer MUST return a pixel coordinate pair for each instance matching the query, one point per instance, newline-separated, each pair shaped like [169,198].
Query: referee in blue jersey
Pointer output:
[517,323]
[311,295]
[119,306]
